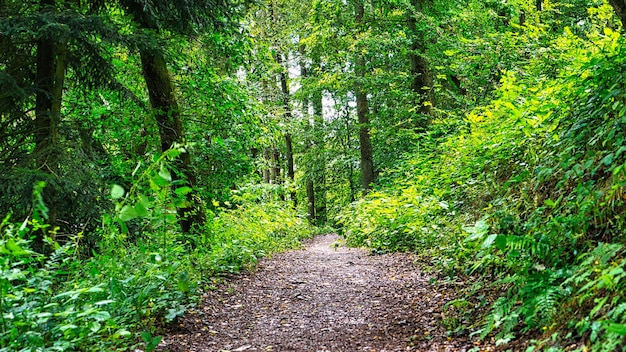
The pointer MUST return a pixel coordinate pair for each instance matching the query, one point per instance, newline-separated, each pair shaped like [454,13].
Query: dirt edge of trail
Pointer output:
[325,297]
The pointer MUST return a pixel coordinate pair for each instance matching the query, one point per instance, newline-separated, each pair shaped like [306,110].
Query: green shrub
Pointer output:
[125,292]
[528,199]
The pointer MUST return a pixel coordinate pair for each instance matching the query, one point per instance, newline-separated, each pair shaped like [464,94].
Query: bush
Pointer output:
[123,294]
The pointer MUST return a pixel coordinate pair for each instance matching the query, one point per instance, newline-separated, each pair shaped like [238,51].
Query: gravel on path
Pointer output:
[322,298]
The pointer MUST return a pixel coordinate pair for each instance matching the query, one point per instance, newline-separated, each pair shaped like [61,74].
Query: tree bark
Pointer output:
[291,174]
[50,79]
[346,149]
[284,87]
[422,82]
[310,186]
[620,9]
[275,172]
[266,166]
[310,194]
[167,115]
[366,149]
[367,158]
[319,166]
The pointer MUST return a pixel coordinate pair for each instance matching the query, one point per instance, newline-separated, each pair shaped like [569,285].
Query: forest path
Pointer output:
[321,299]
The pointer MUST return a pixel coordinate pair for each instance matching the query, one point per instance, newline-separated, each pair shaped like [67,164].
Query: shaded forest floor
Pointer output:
[322,299]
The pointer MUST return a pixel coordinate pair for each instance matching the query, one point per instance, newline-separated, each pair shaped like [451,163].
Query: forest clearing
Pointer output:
[171,173]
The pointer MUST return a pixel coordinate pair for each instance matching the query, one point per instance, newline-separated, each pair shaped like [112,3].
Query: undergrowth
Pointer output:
[527,200]
[133,284]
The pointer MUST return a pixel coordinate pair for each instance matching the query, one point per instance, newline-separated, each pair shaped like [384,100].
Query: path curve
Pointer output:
[324,298]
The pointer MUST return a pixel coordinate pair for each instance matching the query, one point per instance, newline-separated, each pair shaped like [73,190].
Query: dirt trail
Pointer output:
[321,299]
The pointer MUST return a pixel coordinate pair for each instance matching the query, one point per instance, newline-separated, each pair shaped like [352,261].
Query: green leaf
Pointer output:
[15,249]
[183,282]
[479,230]
[165,174]
[94,326]
[181,191]
[146,336]
[158,181]
[101,316]
[141,210]
[616,328]
[128,213]
[501,242]
[121,333]
[117,192]
[67,327]
[144,200]
[489,241]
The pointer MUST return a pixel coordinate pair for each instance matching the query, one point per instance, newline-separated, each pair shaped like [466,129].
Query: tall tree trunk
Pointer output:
[275,171]
[422,82]
[319,157]
[50,78]
[284,87]
[167,115]
[310,194]
[291,174]
[367,159]
[310,186]
[362,109]
[266,166]
[620,9]
[346,149]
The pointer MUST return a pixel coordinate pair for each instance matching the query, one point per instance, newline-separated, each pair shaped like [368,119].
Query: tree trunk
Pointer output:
[620,9]
[422,82]
[310,186]
[310,195]
[319,157]
[291,174]
[367,160]
[284,87]
[50,78]
[346,149]
[266,166]
[275,167]
[167,115]
[362,109]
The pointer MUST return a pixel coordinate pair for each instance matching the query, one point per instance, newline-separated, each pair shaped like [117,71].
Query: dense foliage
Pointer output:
[525,195]
[120,123]
[147,147]
[120,296]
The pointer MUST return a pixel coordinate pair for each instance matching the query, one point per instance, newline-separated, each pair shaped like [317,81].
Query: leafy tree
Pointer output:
[44,43]
[182,18]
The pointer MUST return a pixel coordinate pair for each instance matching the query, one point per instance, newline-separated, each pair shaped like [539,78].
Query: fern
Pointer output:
[548,303]
[617,313]
[500,317]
